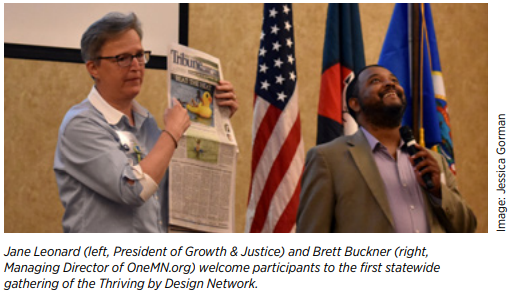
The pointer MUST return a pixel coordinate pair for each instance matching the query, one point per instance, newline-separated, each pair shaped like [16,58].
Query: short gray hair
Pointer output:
[108,27]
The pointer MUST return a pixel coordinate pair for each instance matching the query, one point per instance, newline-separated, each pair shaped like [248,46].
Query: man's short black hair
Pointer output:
[352,90]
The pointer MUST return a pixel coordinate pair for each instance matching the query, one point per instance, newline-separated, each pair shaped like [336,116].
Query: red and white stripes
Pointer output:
[277,165]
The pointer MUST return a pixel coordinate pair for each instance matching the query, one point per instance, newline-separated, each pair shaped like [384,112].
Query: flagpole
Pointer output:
[416,79]
[423,37]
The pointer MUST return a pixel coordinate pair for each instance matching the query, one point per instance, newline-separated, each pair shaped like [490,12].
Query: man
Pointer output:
[111,158]
[366,182]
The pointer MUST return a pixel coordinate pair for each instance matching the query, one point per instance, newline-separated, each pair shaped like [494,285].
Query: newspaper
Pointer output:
[202,170]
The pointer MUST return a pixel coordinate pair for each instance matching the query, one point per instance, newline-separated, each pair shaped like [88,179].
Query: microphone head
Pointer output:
[406,134]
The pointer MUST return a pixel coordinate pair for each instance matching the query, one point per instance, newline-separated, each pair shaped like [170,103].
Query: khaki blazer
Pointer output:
[342,191]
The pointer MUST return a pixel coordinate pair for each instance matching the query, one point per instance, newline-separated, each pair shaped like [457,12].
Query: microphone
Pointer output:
[409,139]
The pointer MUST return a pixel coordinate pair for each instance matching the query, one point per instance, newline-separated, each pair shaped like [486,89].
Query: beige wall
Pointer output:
[38,94]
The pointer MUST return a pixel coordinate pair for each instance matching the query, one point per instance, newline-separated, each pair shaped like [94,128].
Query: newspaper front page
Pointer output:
[202,170]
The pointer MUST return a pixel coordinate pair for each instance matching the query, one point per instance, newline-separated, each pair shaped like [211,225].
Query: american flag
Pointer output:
[278,150]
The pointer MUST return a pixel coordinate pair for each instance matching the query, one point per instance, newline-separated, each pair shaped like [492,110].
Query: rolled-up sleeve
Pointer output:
[149,186]
[91,153]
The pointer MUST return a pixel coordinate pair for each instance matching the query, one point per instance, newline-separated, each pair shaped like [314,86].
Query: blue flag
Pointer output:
[395,56]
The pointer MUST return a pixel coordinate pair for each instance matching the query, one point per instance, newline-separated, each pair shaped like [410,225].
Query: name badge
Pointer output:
[130,145]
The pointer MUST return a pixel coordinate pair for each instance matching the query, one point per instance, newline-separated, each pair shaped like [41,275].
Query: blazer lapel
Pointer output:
[362,155]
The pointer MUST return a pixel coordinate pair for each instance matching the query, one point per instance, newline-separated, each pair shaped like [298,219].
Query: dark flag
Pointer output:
[343,54]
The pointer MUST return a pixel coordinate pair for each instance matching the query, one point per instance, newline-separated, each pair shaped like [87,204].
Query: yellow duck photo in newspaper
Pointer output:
[202,109]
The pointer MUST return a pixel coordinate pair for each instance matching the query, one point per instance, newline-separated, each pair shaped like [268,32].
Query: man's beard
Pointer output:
[383,116]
